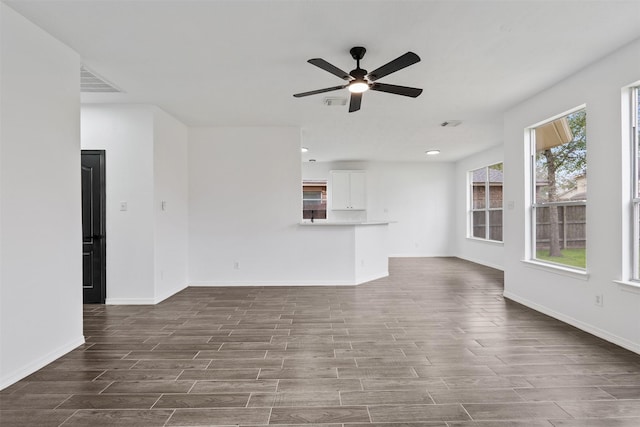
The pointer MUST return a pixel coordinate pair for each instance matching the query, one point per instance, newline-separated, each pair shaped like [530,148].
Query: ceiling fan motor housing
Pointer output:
[357,52]
[358,73]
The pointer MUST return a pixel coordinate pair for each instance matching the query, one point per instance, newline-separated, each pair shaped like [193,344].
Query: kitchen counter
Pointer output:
[360,250]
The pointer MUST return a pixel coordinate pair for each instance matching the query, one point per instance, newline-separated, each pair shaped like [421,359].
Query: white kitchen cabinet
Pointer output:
[348,190]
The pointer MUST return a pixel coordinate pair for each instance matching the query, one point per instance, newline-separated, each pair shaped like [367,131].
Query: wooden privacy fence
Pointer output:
[572,225]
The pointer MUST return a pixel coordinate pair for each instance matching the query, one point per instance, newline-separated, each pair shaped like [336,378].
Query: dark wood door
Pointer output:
[93,227]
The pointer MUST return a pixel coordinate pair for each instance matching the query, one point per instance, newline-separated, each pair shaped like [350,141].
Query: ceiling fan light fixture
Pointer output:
[358,86]
[359,80]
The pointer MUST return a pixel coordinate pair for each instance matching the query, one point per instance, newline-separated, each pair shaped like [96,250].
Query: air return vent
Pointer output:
[91,82]
[334,101]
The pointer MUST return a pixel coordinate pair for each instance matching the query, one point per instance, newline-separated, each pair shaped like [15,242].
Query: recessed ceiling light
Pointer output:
[304,149]
[432,152]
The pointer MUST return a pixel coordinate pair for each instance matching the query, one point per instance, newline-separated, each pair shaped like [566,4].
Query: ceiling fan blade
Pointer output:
[314,92]
[413,92]
[354,103]
[321,63]
[399,63]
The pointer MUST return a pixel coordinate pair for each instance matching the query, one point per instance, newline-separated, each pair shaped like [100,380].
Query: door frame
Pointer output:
[103,223]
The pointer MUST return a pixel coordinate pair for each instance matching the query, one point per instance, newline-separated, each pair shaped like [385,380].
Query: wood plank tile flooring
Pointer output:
[434,344]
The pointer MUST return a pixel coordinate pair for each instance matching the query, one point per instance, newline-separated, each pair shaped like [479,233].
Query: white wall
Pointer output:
[146,163]
[482,252]
[40,218]
[371,252]
[171,187]
[419,197]
[245,201]
[126,133]
[568,297]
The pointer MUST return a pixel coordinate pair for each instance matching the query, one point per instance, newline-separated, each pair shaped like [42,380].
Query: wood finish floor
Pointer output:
[434,344]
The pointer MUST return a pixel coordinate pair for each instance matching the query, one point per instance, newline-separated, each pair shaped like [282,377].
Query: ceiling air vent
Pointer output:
[91,82]
[333,101]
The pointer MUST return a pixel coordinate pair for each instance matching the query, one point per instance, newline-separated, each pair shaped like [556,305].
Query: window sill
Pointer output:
[628,286]
[491,242]
[557,269]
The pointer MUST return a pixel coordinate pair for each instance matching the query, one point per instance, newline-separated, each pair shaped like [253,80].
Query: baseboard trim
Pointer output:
[417,255]
[593,330]
[486,264]
[39,363]
[130,301]
[169,294]
[371,277]
[279,283]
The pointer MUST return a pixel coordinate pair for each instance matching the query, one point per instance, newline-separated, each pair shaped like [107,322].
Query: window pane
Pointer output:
[479,222]
[637,141]
[479,196]
[314,200]
[495,225]
[479,179]
[575,229]
[637,162]
[495,196]
[542,229]
[561,235]
[561,161]
[312,195]
[636,243]
[561,178]
[480,175]
[635,178]
[495,185]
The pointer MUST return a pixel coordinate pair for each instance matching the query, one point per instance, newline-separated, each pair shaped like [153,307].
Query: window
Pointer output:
[635,178]
[559,190]
[485,217]
[314,200]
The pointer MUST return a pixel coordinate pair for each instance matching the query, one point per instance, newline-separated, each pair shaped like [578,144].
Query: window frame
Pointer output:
[487,209]
[635,184]
[534,204]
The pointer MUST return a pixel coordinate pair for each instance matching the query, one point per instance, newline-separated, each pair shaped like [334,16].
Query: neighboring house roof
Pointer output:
[494,175]
[578,192]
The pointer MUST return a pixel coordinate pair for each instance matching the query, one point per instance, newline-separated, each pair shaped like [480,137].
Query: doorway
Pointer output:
[94,250]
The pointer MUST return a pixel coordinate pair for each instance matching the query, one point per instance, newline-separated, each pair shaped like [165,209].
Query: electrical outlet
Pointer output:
[236,265]
[599,300]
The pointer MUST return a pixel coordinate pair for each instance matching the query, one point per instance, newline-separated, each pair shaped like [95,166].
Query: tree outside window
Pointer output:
[560,190]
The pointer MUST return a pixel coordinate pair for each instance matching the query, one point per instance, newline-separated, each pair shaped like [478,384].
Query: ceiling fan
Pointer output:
[360,80]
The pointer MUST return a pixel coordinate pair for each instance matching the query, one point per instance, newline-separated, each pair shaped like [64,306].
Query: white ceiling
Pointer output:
[238,63]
